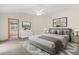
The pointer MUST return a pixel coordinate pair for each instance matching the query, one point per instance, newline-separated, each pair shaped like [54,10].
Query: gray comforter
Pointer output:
[48,43]
[57,42]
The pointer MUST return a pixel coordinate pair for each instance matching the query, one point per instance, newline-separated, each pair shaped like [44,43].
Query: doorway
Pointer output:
[13,28]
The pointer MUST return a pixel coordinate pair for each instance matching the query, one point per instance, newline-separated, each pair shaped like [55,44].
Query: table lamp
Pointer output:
[76,32]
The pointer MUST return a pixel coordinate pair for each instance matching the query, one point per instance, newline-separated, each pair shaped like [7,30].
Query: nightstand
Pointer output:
[76,36]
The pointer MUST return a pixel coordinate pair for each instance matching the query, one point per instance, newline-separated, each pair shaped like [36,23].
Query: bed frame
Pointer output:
[59,28]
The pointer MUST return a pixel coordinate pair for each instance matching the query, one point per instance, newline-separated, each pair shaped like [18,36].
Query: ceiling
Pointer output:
[31,8]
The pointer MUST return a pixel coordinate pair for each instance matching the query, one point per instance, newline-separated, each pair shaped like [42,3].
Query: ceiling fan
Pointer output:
[38,12]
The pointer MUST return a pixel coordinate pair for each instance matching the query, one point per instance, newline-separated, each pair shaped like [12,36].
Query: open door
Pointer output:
[13,28]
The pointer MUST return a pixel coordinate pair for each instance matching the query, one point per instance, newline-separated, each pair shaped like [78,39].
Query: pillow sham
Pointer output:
[53,32]
[66,32]
[60,32]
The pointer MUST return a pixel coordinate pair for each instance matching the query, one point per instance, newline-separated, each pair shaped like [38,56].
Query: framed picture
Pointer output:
[26,25]
[60,22]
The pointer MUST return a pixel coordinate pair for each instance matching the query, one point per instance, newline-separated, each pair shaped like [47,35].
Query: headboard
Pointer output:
[57,29]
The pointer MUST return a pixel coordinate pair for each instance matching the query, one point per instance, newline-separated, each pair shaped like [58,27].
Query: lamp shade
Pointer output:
[76,32]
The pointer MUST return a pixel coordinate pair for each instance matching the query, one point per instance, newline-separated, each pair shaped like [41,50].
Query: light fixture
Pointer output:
[38,12]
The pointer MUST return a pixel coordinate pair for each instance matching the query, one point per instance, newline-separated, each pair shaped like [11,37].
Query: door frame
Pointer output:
[9,27]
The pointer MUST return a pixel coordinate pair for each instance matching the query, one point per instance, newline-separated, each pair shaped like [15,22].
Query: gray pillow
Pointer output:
[66,32]
[53,32]
[60,32]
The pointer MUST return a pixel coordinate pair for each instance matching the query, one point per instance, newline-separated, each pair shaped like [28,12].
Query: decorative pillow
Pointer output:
[53,31]
[66,32]
[60,32]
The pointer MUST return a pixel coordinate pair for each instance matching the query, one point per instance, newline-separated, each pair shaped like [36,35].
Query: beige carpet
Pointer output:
[13,47]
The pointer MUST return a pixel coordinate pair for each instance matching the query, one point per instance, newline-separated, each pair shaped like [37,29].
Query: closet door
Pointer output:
[13,28]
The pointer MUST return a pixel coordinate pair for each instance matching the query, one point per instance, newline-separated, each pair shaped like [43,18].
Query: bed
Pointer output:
[54,41]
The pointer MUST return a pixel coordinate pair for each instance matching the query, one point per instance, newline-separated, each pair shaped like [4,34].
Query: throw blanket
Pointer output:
[58,43]
[50,44]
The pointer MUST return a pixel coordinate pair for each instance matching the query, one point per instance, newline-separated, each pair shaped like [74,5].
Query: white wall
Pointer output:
[73,16]
[38,23]
[4,23]
[41,23]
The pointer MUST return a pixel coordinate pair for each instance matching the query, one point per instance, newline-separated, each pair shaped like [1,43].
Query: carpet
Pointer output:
[13,47]
[22,47]
[71,49]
